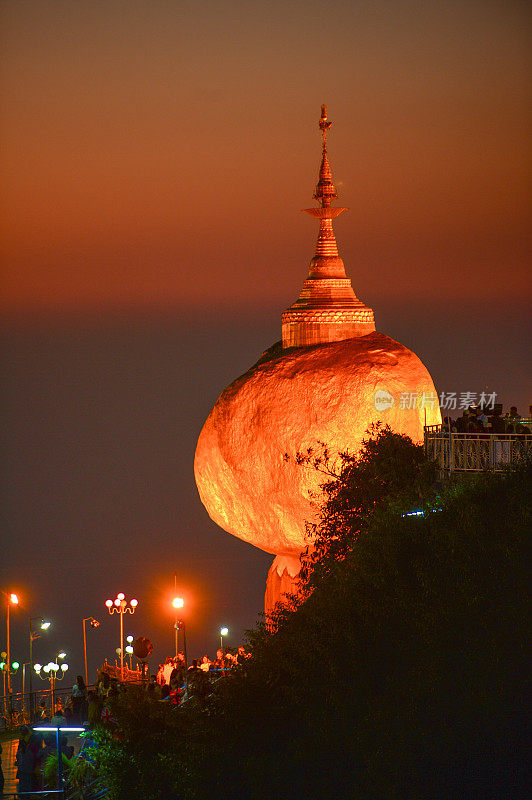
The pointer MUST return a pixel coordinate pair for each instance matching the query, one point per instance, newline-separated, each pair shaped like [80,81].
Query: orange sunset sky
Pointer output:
[158,153]
[155,156]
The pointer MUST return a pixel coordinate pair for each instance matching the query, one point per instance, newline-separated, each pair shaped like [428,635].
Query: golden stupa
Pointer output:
[328,380]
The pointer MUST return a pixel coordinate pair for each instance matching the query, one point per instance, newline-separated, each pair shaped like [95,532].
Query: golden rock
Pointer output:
[328,380]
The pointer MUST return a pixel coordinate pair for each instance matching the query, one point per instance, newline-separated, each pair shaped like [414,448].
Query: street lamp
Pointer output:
[12,600]
[177,602]
[223,632]
[33,636]
[24,665]
[6,668]
[94,624]
[119,606]
[52,672]
[129,650]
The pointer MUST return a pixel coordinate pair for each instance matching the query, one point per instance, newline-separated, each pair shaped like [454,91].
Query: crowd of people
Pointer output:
[174,669]
[174,682]
[90,706]
[33,751]
[479,419]
[80,707]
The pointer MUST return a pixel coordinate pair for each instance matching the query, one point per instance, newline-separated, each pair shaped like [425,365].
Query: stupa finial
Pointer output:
[324,125]
[325,189]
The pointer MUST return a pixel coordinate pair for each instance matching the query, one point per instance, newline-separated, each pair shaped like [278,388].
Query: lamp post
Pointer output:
[119,606]
[223,632]
[129,650]
[180,623]
[6,668]
[94,624]
[3,667]
[34,635]
[24,665]
[12,599]
[51,671]
[177,602]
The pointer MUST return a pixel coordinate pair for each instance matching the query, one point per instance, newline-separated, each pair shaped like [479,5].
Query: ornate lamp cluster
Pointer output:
[52,669]
[120,606]
[52,672]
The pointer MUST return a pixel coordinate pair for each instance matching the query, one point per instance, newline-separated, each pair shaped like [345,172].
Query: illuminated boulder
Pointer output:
[330,378]
[289,401]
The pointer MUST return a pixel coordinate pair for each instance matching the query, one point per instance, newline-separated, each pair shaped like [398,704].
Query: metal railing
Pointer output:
[475,452]
[15,708]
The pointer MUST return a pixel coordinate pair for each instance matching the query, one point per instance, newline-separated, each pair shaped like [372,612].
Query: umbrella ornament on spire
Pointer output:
[325,189]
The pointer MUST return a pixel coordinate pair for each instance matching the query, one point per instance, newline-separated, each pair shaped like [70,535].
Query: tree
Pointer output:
[402,674]
[389,470]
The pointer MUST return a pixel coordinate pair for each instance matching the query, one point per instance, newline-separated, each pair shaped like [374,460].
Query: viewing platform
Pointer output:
[475,452]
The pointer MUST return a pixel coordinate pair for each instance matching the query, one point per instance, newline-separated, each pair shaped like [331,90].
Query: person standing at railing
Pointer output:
[461,422]
[104,685]
[79,700]
[497,423]
[178,672]
[482,418]
[513,421]
[220,662]
[205,663]
[448,425]
[29,765]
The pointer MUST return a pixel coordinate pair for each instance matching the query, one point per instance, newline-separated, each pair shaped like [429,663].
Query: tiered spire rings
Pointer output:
[327,309]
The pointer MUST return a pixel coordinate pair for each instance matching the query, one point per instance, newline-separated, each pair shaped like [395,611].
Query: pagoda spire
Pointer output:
[327,309]
[326,262]
[325,189]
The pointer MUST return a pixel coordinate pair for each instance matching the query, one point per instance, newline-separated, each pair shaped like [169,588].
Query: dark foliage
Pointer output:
[389,469]
[401,676]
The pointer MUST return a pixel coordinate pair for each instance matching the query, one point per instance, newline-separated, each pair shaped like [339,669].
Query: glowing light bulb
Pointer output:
[178,602]
[117,602]
[224,631]
[14,599]
[108,603]
[120,596]
[134,603]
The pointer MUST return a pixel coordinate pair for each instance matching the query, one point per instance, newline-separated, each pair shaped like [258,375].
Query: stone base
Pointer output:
[297,334]
[282,579]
